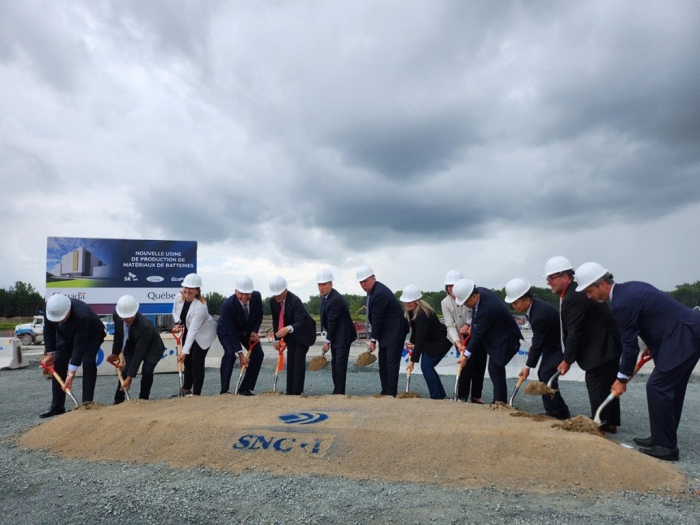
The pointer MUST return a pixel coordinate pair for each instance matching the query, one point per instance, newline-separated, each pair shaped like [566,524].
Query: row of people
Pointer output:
[584,330]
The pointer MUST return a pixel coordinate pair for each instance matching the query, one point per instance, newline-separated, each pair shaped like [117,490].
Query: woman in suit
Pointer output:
[428,339]
[199,332]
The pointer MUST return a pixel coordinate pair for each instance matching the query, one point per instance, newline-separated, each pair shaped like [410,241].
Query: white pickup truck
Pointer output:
[31,333]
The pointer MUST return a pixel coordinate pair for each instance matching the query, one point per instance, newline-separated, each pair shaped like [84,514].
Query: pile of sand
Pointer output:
[412,440]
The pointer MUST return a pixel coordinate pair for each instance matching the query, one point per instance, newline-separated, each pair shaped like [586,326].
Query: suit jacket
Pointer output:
[82,331]
[336,320]
[144,342]
[200,325]
[546,335]
[296,316]
[494,329]
[233,329]
[389,326]
[666,326]
[455,317]
[591,337]
[429,336]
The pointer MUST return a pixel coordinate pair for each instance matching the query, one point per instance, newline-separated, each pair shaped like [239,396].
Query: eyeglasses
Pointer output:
[550,278]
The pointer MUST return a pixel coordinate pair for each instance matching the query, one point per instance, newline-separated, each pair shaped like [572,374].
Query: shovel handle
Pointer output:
[68,391]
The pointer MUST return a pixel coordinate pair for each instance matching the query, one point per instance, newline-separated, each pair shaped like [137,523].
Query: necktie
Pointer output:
[126,335]
[246,309]
[323,311]
[280,323]
[561,325]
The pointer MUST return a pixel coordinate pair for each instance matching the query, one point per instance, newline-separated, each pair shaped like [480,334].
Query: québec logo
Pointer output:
[155,279]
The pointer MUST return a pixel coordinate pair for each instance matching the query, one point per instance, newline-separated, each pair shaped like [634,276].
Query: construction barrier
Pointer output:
[11,356]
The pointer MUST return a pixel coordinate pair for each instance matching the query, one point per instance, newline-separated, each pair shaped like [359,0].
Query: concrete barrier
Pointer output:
[11,356]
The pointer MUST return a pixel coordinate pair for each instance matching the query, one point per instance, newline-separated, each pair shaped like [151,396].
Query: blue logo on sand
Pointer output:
[303,418]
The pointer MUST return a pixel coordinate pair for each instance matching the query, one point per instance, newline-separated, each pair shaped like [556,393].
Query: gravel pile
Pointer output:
[38,488]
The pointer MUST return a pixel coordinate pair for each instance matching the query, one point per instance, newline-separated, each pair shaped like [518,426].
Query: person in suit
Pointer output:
[428,339]
[291,322]
[671,333]
[389,328]
[493,330]
[546,342]
[135,335]
[591,339]
[239,326]
[199,331]
[73,334]
[337,329]
[458,319]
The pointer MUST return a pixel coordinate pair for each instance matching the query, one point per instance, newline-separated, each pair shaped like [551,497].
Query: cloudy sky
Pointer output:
[413,136]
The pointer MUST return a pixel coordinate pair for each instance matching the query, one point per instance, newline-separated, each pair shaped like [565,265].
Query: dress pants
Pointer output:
[599,381]
[432,378]
[339,367]
[554,407]
[296,367]
[147,370]
[194,369]
[498,378]
[62,357]
[251,373]
[665,396]
[471,378]
[389,360]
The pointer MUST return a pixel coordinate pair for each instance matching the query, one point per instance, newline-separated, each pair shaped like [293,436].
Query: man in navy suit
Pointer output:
[73,334]
[389,328]
[238,326]
[546,342]
[291,322]
[336,327]
[670,331]
[590,336]
[135,335]
[493,330]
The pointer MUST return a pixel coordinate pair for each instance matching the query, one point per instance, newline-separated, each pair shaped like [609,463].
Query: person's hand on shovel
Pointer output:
[409,366]
[181,357]
[326,347]
[282,332]
[524,373]
[243,359]
[254,338]
[47,360]
[371,346]
[127,384]
[113,359]
[563,367]
[68,383]
[462,361]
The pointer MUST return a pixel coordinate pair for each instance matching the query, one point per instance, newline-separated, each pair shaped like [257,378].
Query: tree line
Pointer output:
[22,300]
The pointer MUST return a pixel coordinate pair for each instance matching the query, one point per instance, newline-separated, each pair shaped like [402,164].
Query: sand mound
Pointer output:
[408,395]
[537,388]
[411,440]
[317,363]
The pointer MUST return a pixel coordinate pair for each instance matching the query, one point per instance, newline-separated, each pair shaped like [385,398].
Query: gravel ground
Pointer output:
[37,488]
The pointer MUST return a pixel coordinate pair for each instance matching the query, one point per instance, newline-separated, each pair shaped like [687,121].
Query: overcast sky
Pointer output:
[413,136]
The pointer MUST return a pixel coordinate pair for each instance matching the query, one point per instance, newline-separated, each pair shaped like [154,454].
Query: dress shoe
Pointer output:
[224,393]
[478,401]
[658,452]
[245,393]
[643,442]
[54,411]
[609,429]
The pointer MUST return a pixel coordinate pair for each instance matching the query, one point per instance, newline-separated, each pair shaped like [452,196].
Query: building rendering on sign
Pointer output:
[80,263]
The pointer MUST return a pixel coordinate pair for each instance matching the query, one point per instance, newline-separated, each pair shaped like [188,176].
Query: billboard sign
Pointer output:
[100,271]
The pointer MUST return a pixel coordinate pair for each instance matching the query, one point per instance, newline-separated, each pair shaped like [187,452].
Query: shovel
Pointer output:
[118,367]
[319,362]
[614,395]
[243,369]
[538,388]
[280,363]
[180,373]
[455,394]
[515,390]
[60,382]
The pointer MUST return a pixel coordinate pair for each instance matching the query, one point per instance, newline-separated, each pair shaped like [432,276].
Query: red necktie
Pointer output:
[281,321]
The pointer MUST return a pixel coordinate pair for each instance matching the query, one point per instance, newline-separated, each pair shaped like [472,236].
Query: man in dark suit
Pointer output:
[135,335]
[546,342]
[670,331]
[591,339]
[291,322]
[389,328]
[493,330]
[239,324]
[336,327]
[73,334]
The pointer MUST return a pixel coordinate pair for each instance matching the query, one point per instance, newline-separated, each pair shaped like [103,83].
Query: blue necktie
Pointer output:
[126,335]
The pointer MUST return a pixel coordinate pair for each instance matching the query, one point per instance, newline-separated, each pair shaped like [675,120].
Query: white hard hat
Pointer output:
[587,274]
[363,272]
[557,264]
[127,306]
[192,280]
[410,293]
[462,290]
[277,285]
[57,307]
[244,284]
[324,276]
[453,276]
[515,289]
